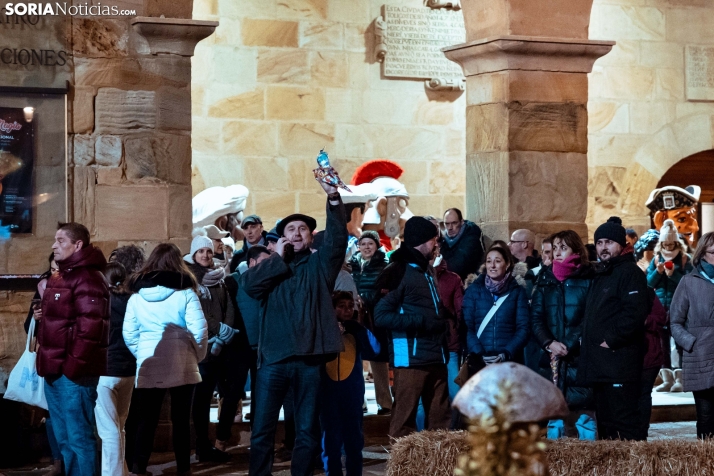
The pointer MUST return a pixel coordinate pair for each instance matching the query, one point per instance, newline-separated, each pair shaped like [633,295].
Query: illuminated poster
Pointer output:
[16,161]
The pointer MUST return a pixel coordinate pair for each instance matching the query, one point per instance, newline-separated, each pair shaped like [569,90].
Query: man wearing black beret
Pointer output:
[411,310]
[298,331]
[613,339]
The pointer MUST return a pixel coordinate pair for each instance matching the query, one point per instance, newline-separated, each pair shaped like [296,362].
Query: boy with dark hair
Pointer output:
[343,391]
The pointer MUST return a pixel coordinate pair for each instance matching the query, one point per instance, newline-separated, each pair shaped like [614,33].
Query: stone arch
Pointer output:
[675,141]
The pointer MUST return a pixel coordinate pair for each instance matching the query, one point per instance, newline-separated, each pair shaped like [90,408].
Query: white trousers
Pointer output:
[113,400]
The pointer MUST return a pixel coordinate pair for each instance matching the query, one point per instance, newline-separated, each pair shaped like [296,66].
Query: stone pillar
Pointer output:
[526,66]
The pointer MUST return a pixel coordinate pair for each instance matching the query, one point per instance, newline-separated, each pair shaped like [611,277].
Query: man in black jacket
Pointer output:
[252,227]
[461,246]
[298,331]
[412,311]
[614,335]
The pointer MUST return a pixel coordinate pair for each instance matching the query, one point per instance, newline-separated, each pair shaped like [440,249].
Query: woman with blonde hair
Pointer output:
[165,329]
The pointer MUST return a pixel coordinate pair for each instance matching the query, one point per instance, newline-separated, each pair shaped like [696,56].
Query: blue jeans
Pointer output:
[341,420]
[302,375]
[54,447]
[71,407]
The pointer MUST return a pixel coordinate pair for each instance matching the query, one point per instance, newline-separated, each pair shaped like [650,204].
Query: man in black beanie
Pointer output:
[614,335]
[411,310]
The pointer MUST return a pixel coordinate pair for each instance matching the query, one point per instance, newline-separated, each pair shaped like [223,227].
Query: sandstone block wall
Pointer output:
[640,122]
[281,79]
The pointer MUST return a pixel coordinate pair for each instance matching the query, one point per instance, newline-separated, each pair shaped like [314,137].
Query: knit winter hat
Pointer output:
[418,230]
[198,242]
[668,233]
[372,235]
[613,230]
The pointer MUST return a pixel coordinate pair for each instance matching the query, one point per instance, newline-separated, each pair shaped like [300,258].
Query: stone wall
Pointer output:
[129,146]
[640,122]
[130,133]
[279,80]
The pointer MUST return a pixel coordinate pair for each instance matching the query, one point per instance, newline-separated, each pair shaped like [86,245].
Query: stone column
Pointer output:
[526,66]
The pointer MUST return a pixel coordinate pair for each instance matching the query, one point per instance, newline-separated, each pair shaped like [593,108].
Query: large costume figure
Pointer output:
[389,211]
[221,206]
[679,205]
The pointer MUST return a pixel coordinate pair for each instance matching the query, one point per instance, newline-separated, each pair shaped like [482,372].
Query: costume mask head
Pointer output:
[679,205]
[389,212]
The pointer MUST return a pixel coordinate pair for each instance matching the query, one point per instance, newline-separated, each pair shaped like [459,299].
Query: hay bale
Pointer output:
[426,453]
[435,453]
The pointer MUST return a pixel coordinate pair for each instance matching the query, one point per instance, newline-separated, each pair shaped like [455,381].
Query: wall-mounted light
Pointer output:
[29,113]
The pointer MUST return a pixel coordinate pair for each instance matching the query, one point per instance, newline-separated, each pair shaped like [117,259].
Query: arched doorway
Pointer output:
[697,169]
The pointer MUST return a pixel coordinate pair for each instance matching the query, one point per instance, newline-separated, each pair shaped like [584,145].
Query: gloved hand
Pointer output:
[475,363]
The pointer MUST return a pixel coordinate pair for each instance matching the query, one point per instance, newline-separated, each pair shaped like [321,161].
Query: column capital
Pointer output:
[528,53]
[177,36]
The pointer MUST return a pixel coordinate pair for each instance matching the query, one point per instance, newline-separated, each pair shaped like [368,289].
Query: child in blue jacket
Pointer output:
[343,392]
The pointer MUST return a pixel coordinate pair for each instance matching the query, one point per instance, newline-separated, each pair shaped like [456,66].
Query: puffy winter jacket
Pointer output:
[557,312]
[464,256]
[74,330]
[165,329]
[365,278]
[664,285]
[412,312]
[615,312]
[509,328]
[297,317]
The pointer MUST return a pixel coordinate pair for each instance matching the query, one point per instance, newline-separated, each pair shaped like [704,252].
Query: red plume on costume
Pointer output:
[372,169]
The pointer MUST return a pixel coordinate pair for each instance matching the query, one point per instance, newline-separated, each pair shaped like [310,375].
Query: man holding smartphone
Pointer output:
[298,331]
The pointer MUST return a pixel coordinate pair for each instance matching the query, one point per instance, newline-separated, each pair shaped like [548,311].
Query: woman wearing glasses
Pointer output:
[693,329]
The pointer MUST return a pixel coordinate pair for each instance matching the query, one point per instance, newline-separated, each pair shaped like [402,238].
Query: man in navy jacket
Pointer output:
[412,311]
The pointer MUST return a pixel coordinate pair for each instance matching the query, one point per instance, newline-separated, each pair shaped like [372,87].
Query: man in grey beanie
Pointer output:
[613,338]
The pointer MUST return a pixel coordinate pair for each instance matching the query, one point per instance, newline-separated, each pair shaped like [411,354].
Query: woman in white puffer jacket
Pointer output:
[165,329]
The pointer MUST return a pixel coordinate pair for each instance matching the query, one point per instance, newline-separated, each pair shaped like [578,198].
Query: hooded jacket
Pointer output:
[74,330]
[665,285]
[615,312]
[165,330]
[412,311]
[297,317]
[508,329]
[693,329]
[464,256]
[557,313]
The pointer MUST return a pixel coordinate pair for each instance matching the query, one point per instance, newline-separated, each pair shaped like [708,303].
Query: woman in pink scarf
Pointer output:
[557,312]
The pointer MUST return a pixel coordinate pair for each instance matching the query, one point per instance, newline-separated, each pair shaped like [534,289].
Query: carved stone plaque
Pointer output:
[409,41]
[699,73]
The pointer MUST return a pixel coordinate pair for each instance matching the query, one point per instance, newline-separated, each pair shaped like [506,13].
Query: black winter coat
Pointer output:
[464,257]
[557,313]
[120,361]
[412,312]
[242,254]
[366,278]
[615,312]
[509,328]
[297,317]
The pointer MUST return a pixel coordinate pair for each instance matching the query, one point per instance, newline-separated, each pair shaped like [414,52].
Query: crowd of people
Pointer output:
[303,318]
